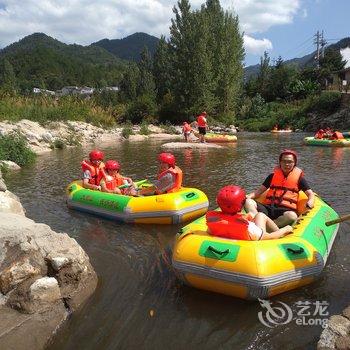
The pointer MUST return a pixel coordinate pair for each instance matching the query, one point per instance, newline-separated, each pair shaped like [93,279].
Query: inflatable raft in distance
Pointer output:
[281,131]
[311,141]
[170,208]
[220,138]
[256,269]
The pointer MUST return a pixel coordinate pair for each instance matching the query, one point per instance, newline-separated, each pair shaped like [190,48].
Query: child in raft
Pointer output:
[112,179]
[231,223]
[93,170]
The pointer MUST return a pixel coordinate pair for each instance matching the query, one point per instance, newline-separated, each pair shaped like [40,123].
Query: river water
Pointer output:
[139,304]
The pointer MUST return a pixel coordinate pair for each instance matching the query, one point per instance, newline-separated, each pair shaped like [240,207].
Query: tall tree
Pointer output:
[129,83]
[230,79]
[182,55]
[146,81]
[264,75]
[162,69]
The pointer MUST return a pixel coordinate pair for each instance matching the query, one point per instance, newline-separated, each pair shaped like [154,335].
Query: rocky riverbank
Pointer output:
[337,333]
[58,134]
[44,276]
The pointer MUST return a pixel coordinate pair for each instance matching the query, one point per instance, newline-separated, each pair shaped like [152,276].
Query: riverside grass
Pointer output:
[43,109]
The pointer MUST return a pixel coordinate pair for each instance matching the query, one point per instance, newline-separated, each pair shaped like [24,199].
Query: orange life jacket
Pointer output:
[319,135]
[337,136]
[202,121]
[113,181]
[177,173]
[186,127]
[228,226]
[284,191]
[97,172]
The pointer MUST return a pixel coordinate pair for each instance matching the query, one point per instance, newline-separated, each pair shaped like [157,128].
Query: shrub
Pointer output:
[127,130]
[168,128]
[58,143]
[144,129]
[13,146]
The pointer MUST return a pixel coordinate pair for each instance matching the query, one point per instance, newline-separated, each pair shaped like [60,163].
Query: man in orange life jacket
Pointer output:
[93,170]
[169,176]
[283,187]
[202,126]
[112,179]
[231,223]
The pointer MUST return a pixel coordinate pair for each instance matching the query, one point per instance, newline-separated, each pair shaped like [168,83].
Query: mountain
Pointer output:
[307,60]
[130,47]
[41,61]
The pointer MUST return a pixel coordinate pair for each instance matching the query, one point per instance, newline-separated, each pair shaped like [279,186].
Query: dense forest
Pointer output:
[199,67]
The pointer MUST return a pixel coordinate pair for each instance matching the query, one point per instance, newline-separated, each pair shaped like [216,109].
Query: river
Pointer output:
[138,302]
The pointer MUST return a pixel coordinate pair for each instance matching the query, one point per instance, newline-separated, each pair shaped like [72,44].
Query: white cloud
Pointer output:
[86,21]
[256,46]
[260,15]
[346,56]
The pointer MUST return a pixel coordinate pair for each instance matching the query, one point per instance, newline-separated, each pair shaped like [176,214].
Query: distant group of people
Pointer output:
[329,134]
[106,177]
[202,125]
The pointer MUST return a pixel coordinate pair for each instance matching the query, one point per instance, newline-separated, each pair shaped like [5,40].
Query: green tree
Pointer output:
[264,75]
[129,83]
[8,77]
[162,69]
[146,81]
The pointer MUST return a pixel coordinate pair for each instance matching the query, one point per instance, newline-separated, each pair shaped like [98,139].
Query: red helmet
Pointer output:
[112,165]
[231,199]
[96,155]
[289,151]
[167,158]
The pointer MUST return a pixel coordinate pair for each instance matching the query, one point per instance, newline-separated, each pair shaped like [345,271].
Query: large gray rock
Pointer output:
[44,275]
[9,203]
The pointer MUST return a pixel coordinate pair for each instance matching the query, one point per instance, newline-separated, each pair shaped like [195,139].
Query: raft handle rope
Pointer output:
[296,251]
[214,250]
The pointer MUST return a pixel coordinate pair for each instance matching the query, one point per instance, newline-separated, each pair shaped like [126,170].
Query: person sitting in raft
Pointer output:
[328,132]
[231,223]
[319,134]
[202,126]
[283,187]
[169,177]
[275,128]
[337,135]
[93,170]
[112,179]
[186,130]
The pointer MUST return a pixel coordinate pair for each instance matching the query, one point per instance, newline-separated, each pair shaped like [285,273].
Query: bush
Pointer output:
[168,128]
[142,108]
[127,130]
[144,129]
[58,143]
[13,146]
[328,102]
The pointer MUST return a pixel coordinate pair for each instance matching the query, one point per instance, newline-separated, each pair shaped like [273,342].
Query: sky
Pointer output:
[284,28]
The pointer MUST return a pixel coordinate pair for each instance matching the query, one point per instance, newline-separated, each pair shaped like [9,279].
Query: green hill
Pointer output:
[41,61]
[130,47]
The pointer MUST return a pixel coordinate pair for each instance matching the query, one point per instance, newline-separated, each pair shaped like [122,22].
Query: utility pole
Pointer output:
[317,42]
[323,44]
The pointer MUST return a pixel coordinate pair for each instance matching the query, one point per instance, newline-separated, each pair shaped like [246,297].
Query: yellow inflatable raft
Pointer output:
[171,208]
[256,269]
